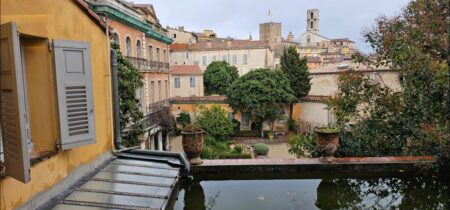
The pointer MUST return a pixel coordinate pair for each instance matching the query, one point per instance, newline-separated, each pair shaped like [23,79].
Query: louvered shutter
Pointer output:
[13,112]
[75,101]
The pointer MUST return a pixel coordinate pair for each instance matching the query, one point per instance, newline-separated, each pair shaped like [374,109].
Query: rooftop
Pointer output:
[128,181]
[185,70]
[220,44]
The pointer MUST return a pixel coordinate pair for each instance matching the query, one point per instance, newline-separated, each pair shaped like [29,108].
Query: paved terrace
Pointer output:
[312,165]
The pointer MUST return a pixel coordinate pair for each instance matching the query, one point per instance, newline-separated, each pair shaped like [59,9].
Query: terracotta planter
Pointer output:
[193,145]
[327,143]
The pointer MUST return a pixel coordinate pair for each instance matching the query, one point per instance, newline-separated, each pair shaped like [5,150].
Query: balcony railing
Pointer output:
[155,112]
[144,64]
[155,107]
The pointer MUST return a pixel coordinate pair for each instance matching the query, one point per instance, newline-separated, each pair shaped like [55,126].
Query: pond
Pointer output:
[314,192]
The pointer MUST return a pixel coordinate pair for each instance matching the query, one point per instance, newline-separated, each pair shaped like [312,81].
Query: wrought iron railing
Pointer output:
[144,64]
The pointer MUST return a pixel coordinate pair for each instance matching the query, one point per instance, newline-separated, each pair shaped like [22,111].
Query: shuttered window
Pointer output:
[75,101]
[13,113]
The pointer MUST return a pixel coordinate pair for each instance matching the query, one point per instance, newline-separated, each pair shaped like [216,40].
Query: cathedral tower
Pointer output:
[312,20]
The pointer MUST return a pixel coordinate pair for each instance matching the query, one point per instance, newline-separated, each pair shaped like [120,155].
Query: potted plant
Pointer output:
[192,140]
[270,134]
[327,142]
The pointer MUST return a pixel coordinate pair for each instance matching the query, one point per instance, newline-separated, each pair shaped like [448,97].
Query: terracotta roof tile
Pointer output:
[315,98]
[215,44]
[178,47]
[85,7]
[185,70]
[200,99]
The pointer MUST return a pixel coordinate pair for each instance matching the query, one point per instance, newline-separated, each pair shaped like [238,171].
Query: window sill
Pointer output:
[35,158]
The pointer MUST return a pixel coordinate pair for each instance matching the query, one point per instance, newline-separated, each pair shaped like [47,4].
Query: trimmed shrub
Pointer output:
[260,149]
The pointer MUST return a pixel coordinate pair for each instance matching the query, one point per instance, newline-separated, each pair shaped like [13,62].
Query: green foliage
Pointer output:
[292,125]
[256,126]
[262,93]
[238,149]
[219,75]
[303,145]
[129,82]
[219,150]
[237,125]
[215,122]
[260,149]
[184,119]
[296,70]
[378,120]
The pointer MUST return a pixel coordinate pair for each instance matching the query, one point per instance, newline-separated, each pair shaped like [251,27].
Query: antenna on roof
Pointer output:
[270,16]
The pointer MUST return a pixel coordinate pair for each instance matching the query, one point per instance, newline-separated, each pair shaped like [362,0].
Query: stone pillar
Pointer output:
[160,142]
[167,142]
[152,142]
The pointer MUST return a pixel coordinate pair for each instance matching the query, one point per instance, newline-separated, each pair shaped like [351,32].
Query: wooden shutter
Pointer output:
[13,112]
[75,101]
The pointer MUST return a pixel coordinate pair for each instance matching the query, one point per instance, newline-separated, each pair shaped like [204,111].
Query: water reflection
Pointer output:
[383,193]
[194,197]
[324,194]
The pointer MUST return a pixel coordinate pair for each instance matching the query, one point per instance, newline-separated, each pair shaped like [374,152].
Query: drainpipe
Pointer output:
[116,110]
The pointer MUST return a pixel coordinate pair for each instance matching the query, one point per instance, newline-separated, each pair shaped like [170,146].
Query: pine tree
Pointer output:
[296,70]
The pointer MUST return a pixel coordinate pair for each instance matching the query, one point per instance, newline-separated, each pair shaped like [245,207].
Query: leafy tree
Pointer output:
[218,77]
[262,93]
[414,120]
[129,82]
[215,122]
[297,72]
[184,118]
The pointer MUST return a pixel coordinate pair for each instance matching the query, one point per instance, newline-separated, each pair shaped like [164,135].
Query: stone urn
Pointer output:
[327,142]
[192,141]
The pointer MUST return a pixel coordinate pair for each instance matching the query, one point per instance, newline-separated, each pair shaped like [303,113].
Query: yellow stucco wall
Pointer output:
[62,19]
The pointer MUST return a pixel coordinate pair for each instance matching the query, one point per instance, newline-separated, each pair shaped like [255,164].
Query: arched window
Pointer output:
[138,49]
[312,24]
[312,15]
[128,46]
[115,38]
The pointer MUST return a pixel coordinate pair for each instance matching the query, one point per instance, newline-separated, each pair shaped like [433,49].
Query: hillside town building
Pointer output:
[186,81]
[145,43]
[244,54]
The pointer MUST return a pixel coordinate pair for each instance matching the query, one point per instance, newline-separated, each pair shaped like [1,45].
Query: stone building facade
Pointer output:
[180,36]
[324,84]
[244,54]
[145,43]
[186,81]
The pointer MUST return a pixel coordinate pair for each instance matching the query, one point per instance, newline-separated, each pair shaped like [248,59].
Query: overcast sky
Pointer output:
[240,18]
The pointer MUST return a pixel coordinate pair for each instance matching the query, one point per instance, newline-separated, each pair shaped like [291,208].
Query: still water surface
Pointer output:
[316,193]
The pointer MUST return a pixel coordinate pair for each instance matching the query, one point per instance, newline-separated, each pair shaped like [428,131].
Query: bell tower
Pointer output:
[312,21]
